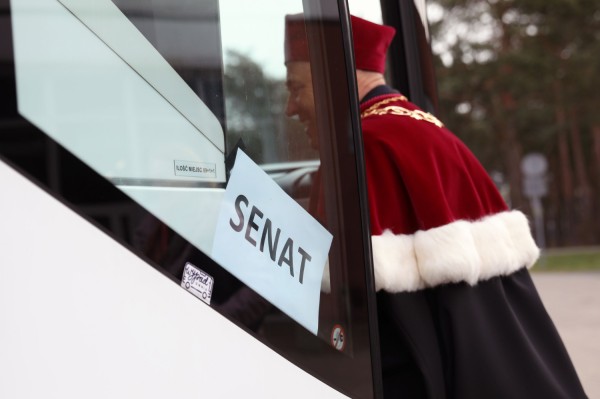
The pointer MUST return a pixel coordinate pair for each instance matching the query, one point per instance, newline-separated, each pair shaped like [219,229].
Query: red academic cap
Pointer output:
[371,42]
[295,43]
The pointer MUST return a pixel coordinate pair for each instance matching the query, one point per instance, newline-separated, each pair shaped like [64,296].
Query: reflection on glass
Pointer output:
[187,35]
[263,117]
[255,90]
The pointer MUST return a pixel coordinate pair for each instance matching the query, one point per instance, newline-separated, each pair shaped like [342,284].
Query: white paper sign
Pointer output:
[271,243]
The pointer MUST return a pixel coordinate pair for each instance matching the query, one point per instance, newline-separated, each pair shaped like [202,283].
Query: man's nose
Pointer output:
[290,108]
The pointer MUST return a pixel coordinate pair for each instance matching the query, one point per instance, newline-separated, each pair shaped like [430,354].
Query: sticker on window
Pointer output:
[197,282]
[195,169]
[338,337]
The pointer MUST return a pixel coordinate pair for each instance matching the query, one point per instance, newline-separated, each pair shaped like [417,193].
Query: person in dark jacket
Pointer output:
[459,316]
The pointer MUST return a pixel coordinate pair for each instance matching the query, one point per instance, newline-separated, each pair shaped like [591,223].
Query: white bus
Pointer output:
[136,260]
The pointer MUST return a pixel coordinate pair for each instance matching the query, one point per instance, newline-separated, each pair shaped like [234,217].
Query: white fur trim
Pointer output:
[396,268]
[469,251]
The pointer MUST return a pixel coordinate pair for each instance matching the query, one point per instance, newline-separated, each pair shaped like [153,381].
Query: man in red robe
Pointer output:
[459,316]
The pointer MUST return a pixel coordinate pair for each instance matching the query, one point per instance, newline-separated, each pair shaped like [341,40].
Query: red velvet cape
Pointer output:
[436,216]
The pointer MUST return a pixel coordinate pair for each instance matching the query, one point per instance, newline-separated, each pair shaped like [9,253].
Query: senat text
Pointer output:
[279,254]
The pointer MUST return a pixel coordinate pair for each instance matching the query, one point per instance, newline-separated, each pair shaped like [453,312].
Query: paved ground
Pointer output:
[573,301]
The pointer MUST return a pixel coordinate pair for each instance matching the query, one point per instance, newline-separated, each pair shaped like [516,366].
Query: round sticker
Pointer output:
[338,337]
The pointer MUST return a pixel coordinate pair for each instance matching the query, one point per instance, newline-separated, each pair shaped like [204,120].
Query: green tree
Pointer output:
[516,77]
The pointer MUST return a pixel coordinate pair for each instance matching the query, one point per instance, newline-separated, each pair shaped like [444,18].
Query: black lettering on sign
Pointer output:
[286,253]
[305,256]
[252,225]
[272,245]
[240,225]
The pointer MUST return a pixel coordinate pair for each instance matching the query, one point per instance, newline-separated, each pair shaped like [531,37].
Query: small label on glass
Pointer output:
[195,169]
[197,282]
[338,337]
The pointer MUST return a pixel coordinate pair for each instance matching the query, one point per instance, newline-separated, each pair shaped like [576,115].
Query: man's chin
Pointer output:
[313,139]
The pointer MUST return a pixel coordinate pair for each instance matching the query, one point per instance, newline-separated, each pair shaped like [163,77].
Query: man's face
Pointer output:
[301,101]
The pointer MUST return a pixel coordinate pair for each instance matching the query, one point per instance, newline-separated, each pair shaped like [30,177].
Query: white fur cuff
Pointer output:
[469,251]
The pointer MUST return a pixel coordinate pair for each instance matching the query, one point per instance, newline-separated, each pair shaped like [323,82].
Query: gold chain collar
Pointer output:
[397,110]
